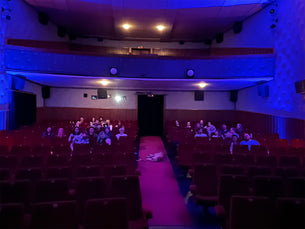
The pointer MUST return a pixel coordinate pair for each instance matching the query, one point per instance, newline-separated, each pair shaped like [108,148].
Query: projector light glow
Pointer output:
[118,98]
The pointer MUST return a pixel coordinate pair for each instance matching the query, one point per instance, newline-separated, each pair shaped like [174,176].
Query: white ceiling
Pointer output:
[140,84]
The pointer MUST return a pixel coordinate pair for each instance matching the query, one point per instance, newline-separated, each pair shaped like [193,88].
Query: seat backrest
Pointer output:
[251,212]
[54,215]
[11,216]
[106,213]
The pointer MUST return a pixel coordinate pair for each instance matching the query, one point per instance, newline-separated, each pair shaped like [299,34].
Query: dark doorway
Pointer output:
[150,114]
[22,109]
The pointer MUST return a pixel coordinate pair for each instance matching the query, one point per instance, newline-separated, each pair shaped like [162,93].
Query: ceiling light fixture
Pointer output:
[160,27]
[202,85]
[104,82]
[126,26]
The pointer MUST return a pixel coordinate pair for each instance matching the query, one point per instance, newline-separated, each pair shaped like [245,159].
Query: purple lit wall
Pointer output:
[289,42]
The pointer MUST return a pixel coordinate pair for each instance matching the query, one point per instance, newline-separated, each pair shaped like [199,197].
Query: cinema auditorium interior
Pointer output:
[152,114]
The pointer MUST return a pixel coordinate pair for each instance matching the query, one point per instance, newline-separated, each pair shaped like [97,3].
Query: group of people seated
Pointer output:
[233,136]
[97,131]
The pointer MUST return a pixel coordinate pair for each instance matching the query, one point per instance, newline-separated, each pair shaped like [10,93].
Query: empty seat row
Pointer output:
[261,212]
[97,213]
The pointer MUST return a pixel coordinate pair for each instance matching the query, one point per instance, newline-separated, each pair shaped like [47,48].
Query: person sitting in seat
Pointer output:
[188,125]
[121,134]
[239,129]
[234,141]
[200,133]
[92,136]
[48,132]
[249,141]
[104,135]
[223,131]
[210,128]
[61,133]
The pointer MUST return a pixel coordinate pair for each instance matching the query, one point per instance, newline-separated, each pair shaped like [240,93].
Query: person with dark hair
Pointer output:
[234,141]
[210,128]
[92,136]
[48,132]
[104,135]
[239,129]
[249,141]
[223,131]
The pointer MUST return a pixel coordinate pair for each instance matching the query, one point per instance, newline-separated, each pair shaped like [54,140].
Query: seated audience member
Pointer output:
[121,134]
[216,134]
[92,136]
[200,133]
[81,120]
[210,128]
[77,124]
[223,131]
[188,125]
[198,129]
[61,133]
[177,123]
[104,135]
[119,125]
[92,121]
[234,141]
[73,135]
[239,129]
[48,133]
[201,124]
[233,132]
[248,141]
[96,125]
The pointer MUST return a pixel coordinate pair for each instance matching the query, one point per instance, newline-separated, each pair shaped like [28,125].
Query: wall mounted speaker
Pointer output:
[234,96]
[101,93]
[45,91]
[219,37]
[300,86]
[43,18]
[85,95]
[199,95]
[61,31]
[237,27]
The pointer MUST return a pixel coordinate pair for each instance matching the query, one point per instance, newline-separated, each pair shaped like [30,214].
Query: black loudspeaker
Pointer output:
[43,18]
[219,37]
[263,91]
[300,86]
[237,27]
[45,91]
[233,96]
[101,93]
[61,31]
[199,95]
[85,95]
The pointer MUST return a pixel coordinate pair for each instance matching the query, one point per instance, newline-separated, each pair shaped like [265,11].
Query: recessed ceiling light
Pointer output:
[202,85]
[126,26]
[104,82]
[160,27]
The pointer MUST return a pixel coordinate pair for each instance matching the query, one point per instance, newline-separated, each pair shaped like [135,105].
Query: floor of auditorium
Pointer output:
[163,187]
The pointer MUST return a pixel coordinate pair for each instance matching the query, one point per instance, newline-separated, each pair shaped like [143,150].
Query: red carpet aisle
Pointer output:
[160,191]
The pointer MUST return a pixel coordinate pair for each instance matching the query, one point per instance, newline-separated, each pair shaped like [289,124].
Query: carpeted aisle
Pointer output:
[159,187]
